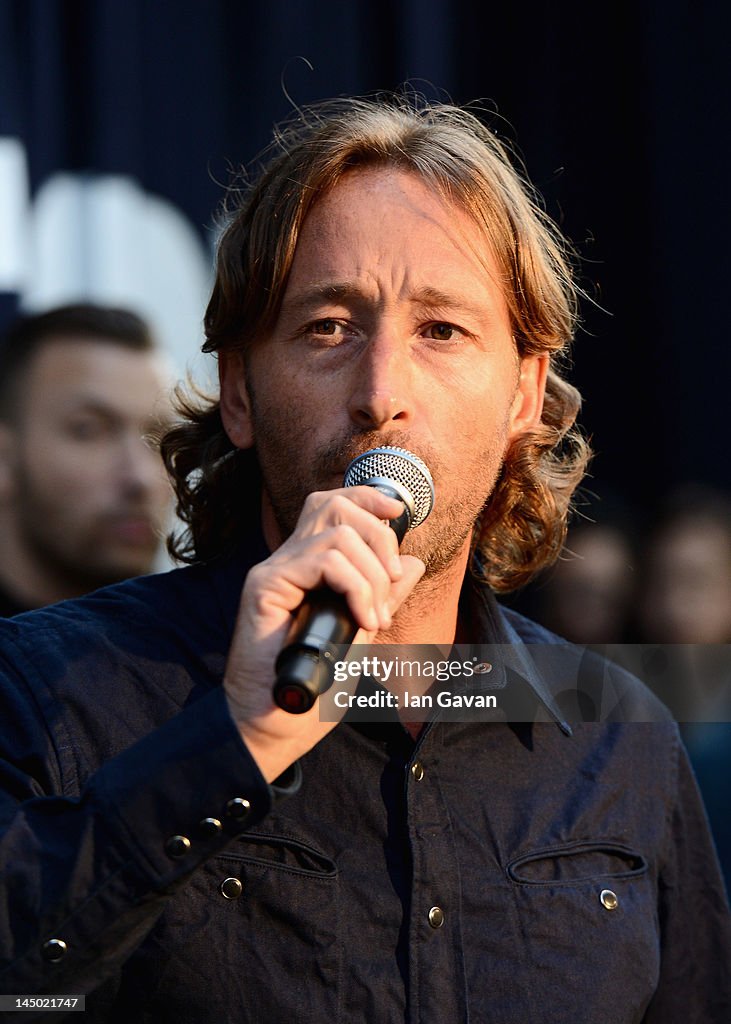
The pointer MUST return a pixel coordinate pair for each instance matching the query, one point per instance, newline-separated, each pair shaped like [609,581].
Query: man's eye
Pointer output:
[326,327]
[443,332]
[328,332]
[86,429]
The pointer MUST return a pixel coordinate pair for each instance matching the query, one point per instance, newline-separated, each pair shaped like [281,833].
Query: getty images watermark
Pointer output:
[410,672]
[530,683]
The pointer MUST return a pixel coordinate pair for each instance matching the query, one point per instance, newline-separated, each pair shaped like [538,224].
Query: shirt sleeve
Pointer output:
[695,977]
[85,878]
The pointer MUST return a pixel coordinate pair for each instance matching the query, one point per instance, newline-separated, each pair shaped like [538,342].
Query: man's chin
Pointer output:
[117,569]
[122,558]
[439,550]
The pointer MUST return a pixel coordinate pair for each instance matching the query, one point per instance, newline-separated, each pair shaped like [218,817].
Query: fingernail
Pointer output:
[385,616]
[395,568]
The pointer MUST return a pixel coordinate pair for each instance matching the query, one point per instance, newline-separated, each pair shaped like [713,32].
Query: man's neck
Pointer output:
[430,614]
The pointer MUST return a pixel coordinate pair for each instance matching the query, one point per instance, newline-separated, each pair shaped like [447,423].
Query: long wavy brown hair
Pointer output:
[522,526]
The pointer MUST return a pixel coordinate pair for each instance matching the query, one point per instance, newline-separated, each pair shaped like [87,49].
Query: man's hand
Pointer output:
[341,541]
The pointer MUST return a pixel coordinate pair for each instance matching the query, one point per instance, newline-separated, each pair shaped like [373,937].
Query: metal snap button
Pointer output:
[209,827]
[608,899]
[417,770]
[54,950]
[436,917]
[238,808]
[482,668]
[177,846]
[231,888]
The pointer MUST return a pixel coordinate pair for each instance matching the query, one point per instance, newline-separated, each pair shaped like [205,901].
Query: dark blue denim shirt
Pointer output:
[509,872]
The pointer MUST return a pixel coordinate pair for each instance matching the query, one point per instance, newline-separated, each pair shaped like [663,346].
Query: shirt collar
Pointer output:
[486,619]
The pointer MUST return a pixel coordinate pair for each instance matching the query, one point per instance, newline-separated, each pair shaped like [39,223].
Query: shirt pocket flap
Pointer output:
[280,852]
[577,861]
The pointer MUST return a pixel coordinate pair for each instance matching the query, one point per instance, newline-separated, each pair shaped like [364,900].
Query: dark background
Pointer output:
[619,110]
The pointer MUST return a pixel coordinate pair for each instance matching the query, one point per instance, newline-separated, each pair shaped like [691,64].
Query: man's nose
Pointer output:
[381,388]
[140,465]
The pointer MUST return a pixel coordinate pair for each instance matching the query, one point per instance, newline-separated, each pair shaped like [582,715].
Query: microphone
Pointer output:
[323,621]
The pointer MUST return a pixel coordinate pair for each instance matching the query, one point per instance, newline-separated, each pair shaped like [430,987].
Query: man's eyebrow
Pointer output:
[82,402]
[103,409]
[439,302]
[350,292]
[332,292]
[429,296]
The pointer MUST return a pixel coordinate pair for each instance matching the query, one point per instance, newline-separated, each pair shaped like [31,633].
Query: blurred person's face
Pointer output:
[587,596]
[687,592]
[86,494]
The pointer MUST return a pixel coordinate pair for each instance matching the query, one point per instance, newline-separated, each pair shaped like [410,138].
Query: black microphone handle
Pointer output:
[322,623]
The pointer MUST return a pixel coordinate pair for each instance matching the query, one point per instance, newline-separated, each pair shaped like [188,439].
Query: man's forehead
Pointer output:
[87,351]
[429,231]
[88,367]
[383,182]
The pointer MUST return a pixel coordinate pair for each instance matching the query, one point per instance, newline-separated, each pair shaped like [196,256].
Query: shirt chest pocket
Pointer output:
[587,913]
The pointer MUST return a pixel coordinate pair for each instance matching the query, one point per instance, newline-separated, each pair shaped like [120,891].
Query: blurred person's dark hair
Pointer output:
[79,321]
[696,503]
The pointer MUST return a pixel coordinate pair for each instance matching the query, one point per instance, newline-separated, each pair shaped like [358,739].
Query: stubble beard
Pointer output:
[443,537]
[74,555]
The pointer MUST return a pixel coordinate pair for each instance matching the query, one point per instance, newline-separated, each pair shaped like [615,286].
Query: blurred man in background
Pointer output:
[83,495]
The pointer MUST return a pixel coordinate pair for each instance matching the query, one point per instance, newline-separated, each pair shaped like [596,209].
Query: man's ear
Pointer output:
[8,442]
[235,402]
[527,407]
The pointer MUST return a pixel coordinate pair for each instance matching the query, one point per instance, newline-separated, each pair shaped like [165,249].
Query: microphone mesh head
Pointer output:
[401,467]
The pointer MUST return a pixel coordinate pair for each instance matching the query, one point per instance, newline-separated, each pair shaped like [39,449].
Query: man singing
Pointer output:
[179,848]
